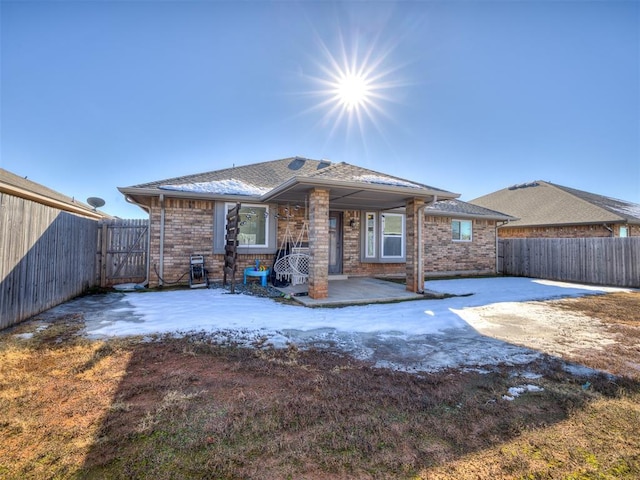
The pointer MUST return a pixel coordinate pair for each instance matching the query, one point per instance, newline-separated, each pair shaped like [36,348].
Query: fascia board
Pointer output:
[50,202]
[316,182]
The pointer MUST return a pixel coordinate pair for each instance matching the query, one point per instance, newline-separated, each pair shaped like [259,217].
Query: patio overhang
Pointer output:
[344,195]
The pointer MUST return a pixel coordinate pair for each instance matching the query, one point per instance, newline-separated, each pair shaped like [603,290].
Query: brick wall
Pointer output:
[444,256]
[189,229]
[351,245]
[575,231]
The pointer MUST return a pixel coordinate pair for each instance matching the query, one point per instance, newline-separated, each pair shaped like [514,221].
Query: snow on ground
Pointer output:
[468,330]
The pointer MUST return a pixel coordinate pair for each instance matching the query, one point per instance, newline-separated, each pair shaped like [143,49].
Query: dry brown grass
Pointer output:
[187,408]
[620,313]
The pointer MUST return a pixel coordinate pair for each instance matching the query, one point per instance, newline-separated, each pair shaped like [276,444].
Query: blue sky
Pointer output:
[470,97]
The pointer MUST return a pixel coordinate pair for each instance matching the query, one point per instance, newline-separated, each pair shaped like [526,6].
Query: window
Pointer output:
[253,229]
[392,235]
[383,237]
[624,232]
[461,230]
[370,235]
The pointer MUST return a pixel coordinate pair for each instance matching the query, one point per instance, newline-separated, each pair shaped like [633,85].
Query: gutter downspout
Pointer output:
[128,199]
[420,240]
[608,228]
[496,235]
[161,260]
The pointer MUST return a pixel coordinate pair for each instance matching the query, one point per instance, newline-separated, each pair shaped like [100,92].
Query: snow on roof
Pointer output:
[628,209]
[221,187]
[382,180]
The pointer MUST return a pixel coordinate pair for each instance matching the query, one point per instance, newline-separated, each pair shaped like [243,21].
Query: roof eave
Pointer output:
[156,192]
[408,192]
[50,202]
[437,213]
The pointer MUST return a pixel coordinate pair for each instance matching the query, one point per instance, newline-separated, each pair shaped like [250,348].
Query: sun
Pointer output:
[354,85]
[353,91]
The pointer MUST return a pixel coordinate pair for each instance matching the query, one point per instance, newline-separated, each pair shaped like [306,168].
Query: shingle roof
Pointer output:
[263,175]
[268,175]
[543,203]
[353,173]
[21,186]
[464,209]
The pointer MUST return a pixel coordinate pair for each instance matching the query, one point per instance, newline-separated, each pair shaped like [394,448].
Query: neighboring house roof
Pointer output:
[459,209]
[21,187]
[543,203]
[289,180]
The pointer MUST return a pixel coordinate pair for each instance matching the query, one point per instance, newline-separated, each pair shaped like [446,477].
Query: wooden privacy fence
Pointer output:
[46,257]
[122,251]
[599,261]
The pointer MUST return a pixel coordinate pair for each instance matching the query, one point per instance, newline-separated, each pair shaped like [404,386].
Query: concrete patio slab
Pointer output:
[353,291]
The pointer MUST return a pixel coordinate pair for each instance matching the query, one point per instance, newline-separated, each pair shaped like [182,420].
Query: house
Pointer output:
[547,210]
[354,222]
[21,187]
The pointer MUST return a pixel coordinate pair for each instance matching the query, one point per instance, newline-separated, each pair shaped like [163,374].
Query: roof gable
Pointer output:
[543,203]
[258,179]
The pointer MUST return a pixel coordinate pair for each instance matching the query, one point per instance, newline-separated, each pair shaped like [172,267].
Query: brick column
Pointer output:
[319,243]
[415,272]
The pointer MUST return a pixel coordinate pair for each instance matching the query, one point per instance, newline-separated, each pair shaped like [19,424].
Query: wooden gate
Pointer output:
[123,250]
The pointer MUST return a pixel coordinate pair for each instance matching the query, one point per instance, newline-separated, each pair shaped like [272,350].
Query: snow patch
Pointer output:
[494,326]
[515,392]
[381,180]
[221,187]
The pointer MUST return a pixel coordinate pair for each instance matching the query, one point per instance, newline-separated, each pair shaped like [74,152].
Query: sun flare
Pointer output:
[353,91]
[355,86]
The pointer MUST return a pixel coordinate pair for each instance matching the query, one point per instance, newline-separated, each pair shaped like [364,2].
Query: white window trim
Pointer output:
[229,206]
[366,235]
[461,240]
[378,240]
[403,235]
[220,229]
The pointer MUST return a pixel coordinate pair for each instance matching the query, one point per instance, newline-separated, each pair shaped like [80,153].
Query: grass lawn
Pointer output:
[188,408]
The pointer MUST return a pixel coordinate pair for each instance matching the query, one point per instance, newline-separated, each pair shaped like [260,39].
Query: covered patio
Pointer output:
[353,291]
[343,187]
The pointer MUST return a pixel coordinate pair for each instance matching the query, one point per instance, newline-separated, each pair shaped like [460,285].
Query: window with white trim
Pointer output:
[461,230]
[624,232]
[392,235]
[383,237]
[370,235]
[253,229]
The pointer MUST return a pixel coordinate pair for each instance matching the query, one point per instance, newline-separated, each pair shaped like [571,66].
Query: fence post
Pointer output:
[103,255]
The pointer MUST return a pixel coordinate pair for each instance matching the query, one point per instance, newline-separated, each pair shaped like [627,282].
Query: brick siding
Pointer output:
[444,256]
[189,230]
[573,231]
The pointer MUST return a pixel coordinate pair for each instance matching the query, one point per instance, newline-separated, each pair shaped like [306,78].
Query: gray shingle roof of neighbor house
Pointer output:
[543,203]
[288,179]
[459,209]
[22,187]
